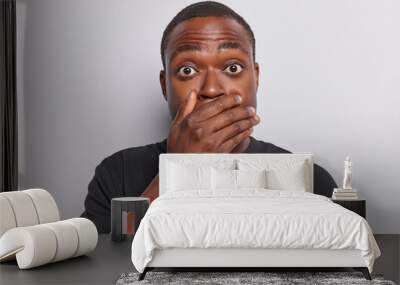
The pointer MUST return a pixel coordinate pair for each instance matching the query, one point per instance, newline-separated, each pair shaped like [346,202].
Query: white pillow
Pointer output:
[288,178]
[229,179]
[282,174]
[251,178]
[223,179]
[182,177]
[203,160]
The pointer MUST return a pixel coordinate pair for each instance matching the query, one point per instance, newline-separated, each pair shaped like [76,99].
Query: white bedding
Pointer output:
[250,218]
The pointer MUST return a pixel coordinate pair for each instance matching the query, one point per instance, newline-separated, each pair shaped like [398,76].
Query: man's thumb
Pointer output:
[186,107]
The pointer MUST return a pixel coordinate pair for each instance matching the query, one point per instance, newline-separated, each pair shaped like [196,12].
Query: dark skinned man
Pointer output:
[210,80]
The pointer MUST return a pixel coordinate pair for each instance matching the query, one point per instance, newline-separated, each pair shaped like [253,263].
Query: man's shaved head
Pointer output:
[204,9]
[207,52]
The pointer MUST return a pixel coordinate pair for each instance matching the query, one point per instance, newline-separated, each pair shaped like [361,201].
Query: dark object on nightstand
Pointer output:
[357,206]
[126,214]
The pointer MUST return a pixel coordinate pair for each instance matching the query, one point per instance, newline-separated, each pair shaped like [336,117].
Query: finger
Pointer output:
[229,117]
[231,143]
[236,128]
[215,107]
[186,107]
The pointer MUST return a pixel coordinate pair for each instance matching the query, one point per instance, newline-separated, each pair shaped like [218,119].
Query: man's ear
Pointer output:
[257,69]
[162,83]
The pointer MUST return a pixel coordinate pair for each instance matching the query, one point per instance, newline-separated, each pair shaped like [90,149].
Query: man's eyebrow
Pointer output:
[232,45]
[185,47]
[196,47]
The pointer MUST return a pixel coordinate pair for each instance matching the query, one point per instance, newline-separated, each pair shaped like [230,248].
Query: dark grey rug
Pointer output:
[225,278]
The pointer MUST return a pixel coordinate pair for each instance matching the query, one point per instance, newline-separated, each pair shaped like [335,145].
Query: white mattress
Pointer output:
[250,218]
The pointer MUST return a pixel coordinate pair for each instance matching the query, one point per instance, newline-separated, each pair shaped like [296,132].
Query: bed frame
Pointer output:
[247,259]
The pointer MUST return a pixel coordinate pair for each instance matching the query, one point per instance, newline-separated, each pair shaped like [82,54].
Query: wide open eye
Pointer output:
[234,68]
[186,71]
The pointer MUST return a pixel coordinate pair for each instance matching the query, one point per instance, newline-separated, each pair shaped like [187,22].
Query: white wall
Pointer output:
[329,84]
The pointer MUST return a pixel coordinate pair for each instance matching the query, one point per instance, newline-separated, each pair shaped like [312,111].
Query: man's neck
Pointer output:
[242,146]
[238,149]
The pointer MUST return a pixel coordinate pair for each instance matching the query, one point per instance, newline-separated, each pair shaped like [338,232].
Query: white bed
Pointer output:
[248,226]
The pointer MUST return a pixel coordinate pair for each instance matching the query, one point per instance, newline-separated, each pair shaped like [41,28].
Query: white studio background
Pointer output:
[329,83]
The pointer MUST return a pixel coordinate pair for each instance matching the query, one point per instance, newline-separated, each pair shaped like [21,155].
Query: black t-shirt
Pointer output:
[128,172]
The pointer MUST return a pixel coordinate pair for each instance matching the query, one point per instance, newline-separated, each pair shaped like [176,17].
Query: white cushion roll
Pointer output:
[23,208]
[87,234]
[45,205]
[33,245]
[40,244]
[7,218]
[67,240]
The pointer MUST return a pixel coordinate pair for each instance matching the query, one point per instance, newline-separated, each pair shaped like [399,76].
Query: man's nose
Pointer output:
[211,86]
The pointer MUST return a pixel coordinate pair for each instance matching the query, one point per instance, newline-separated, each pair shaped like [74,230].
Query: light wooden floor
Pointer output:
[388,263]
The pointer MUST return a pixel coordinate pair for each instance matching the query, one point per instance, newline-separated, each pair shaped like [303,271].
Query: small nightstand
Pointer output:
[357,206]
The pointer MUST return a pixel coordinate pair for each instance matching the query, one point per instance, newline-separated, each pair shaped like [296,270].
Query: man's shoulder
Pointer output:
[259,146]
[137,153]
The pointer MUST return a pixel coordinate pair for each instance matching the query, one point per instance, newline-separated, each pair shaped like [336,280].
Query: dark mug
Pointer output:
[126,214]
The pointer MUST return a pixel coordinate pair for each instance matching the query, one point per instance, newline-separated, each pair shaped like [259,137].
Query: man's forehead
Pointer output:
[206,30]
